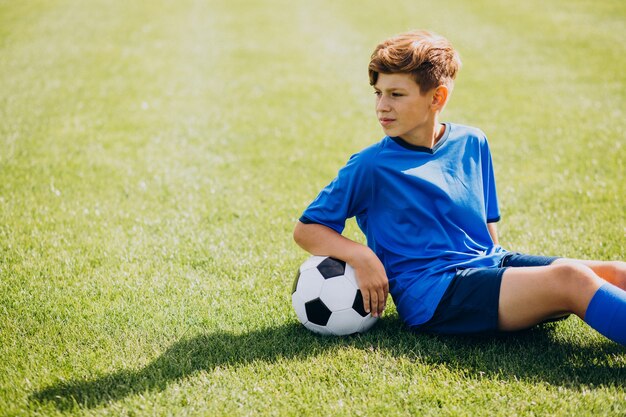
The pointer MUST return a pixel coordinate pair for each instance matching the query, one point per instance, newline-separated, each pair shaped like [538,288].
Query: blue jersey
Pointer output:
[423,211]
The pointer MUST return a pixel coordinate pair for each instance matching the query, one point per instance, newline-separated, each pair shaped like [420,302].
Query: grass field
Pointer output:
[154,157]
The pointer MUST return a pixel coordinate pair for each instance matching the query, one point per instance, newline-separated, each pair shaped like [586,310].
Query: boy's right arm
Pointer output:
[320,240]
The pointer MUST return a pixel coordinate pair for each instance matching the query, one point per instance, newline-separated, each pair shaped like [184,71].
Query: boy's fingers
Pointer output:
[381,302]
[385,294]
[366,301]
[374,303]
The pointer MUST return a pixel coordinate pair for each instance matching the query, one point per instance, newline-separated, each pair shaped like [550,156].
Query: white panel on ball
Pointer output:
[337,293]
[298,306]
[310,284]
[368,322]
[349,274]
[318,329]
[311,262]
[345,322]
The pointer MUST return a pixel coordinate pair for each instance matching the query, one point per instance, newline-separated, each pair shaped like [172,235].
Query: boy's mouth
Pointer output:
[386,121]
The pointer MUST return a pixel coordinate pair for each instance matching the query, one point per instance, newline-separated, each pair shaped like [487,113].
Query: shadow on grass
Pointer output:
[533,355]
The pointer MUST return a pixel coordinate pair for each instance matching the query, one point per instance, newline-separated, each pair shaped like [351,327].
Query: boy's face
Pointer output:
[401,108]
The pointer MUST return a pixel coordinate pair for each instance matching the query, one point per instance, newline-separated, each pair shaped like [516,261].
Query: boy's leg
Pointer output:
[611,271]
[531,295]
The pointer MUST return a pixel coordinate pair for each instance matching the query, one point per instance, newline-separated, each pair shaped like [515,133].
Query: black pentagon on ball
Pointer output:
[331,267]
[317,312]
[358,304]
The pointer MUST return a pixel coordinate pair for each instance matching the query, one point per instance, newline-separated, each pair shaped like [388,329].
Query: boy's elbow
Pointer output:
[298,232]
[302,234]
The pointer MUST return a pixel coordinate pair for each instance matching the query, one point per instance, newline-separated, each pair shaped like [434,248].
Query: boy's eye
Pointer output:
[396,95]
[377,93]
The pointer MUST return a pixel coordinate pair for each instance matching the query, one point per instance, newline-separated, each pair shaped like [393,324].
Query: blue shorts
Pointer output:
[470,304]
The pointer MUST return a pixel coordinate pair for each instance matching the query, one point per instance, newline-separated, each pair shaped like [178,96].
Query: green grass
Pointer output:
[154,157]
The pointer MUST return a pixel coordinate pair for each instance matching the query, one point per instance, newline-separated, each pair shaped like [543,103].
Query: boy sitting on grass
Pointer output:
[425,198]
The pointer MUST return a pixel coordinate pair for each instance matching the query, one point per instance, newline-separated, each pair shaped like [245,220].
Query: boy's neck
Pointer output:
[428,137]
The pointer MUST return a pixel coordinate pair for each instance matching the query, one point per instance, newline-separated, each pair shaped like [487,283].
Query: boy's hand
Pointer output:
[372,280]
[320,240]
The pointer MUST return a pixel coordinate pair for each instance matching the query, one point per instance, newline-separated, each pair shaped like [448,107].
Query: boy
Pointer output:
[425,198]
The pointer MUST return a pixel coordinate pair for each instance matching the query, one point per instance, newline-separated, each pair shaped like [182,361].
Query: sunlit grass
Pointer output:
[155,156]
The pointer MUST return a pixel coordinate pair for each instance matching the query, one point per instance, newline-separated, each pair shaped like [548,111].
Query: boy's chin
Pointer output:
[390,132]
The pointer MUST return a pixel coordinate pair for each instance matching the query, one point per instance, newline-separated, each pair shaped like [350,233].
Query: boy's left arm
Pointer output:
[493,231]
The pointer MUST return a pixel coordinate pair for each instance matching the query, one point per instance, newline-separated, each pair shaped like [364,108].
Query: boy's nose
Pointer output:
[382,105]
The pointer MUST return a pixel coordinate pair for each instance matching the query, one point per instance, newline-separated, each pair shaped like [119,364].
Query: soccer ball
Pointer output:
[327,298]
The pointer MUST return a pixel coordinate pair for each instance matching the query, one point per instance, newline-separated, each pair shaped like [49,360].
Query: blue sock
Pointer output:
[607,312]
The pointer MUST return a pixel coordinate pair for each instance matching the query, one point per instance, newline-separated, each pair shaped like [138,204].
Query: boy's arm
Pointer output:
[493,231]
[370,273]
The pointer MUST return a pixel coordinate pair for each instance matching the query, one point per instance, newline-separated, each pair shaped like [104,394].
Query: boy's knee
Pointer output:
[576,284]
[572,271]
[617,273]
[619,267]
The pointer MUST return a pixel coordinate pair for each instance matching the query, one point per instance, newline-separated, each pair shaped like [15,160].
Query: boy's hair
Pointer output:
[429,58]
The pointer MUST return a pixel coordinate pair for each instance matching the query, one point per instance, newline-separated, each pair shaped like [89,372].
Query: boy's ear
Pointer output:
[440,97]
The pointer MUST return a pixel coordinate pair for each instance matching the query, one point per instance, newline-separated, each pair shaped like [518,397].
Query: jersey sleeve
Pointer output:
[489,186]
[348,195]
